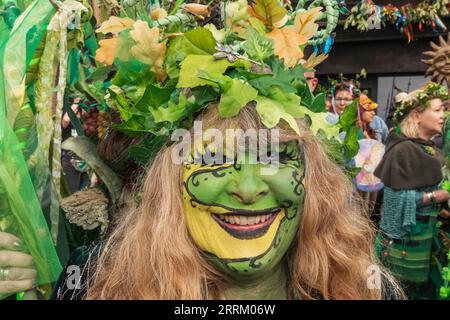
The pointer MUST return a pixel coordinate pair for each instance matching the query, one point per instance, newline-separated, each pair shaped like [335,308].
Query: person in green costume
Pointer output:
[229,230]
[411,171]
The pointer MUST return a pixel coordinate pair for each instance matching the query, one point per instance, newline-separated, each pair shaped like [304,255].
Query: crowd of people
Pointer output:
[410,207]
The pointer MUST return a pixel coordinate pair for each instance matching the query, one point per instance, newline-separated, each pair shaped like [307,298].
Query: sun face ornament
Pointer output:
[439,61]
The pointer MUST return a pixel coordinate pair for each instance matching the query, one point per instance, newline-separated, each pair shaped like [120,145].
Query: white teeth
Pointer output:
[245,220]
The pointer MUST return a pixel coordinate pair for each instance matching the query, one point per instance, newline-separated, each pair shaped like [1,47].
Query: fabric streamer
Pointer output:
[68,11]
[20,210]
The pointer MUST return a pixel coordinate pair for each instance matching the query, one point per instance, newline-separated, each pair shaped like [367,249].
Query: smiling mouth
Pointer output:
[247,225]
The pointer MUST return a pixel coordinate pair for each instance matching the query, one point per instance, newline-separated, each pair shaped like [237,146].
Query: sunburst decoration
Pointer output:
[439,61]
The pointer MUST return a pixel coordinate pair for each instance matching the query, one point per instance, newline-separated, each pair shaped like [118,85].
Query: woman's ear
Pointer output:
[416,116]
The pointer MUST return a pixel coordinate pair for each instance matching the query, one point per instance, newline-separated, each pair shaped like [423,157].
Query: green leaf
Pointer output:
[235,94]
[172,112]
[199,41]
[204,94]
[281,77]
[223,82]
[348,117]
[72,66]
[235,98]
[319,122]
[280,105]
[257,25]
[136,126]
[121,102]
[174,56]
[319,103]
[257,46]
[192,64]
[351,145]
[143,153]
[133,73]
[154,97]
[298,72]
[100,74]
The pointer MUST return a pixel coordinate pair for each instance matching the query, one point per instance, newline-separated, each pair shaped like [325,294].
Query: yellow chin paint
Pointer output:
[211,237]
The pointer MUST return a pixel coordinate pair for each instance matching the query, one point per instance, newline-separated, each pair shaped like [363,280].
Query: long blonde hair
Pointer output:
[150,255]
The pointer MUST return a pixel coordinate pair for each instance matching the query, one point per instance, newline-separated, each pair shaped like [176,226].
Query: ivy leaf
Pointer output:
[268,11]
[133,73]
[280,77]
[192,64]
[172,112]
[235,98]
[235,94]
[199,41]
[256,46]
[154,96]
[204,94]
[279,105]
[136,126]
[147,48]
[287,45]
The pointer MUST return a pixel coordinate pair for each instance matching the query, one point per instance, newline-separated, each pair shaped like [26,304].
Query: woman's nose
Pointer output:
[248,187]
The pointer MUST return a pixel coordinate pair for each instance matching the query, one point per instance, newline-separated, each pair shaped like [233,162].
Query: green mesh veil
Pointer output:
[20,208]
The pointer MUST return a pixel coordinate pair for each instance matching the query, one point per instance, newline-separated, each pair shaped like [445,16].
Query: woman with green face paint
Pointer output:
[228,231]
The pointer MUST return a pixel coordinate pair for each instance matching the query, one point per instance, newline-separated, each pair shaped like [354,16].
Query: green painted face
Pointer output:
[243,220]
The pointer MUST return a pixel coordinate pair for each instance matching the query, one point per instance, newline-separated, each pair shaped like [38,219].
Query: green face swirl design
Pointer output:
[243,220]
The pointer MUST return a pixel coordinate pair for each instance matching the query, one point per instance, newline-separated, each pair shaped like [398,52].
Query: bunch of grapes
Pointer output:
[90,122]
[103,122]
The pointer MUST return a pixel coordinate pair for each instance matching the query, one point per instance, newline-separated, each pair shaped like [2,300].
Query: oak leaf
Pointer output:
[106,51]
[115,25]
[158,13]
[147,48]
[287,45]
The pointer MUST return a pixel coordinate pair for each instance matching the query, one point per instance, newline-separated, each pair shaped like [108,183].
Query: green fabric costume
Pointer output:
[408,242]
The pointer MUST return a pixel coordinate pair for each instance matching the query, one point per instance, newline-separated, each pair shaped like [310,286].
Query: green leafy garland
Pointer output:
[402,17]
[419,98]
[203,65]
